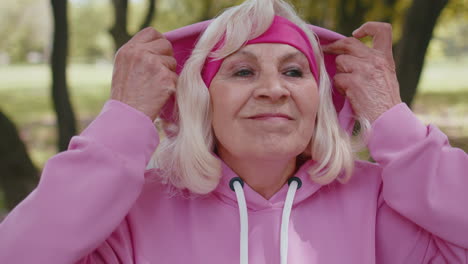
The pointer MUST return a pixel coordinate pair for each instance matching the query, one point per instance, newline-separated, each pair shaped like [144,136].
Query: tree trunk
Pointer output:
[419,24]
[62,105]
[119,30]
[149,15]
[18,175]
[350,15]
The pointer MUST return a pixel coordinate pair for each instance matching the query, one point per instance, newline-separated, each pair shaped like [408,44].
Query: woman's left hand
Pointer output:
[367,75]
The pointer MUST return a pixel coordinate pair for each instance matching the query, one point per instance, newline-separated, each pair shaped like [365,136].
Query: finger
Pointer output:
[157,65]
[346,63]
[170,62]
[175,79]
[170,82]
[146,35]
[350,46]
[160,46]
[381,34]
[341,82]
[339,90]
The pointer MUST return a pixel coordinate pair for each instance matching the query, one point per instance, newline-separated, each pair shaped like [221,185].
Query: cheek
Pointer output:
[307,103]
[226,103]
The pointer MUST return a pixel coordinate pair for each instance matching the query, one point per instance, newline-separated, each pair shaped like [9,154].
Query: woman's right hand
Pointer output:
[144,74]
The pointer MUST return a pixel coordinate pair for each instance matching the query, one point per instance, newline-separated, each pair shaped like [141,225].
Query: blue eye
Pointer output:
[243,73]
[294,73]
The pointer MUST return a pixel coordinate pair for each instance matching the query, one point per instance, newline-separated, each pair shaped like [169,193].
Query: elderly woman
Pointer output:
[257,163]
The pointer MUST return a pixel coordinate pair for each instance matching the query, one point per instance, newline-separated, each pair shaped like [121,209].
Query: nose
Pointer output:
[271,88]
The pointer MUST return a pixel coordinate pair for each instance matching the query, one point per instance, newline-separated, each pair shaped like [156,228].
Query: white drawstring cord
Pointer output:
[236,185]
[244,223]
[293,186]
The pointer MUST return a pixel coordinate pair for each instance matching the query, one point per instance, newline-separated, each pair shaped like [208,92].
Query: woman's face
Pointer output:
[265,101]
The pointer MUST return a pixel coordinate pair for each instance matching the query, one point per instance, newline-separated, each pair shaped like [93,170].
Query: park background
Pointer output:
[56,65]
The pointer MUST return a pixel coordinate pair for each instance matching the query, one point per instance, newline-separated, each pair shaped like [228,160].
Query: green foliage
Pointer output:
[174,14]
[26,25]
[89,37]
[451,33]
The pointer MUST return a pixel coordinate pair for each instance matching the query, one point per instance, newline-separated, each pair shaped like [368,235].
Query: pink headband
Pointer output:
[281,31]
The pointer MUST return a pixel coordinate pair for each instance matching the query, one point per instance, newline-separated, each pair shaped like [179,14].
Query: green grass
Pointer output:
[25,97]
[441,77]
[25,90]
[442,99]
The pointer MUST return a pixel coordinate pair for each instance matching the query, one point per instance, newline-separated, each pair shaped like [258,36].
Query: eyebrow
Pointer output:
[292,55]
[285,57]
[246,53]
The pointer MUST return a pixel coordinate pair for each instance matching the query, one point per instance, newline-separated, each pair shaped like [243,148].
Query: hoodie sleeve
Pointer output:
[84,193]
[423,211]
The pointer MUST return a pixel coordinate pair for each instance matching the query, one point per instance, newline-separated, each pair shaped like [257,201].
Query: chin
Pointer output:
[275,151]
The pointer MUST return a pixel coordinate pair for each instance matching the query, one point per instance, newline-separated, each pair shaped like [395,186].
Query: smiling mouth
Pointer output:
[271,116]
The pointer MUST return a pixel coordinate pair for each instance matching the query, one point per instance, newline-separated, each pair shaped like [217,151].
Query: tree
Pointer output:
[19,176]
[421,19]
[410,49]
[351,14]
[119,30]
[417,27]
[66,122]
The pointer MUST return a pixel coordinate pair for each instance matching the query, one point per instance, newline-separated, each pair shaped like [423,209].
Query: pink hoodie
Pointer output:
[95,203]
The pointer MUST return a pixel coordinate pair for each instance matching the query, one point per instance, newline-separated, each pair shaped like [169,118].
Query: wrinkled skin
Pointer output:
[144,72]
[366,75]
[264,100]
[258,80]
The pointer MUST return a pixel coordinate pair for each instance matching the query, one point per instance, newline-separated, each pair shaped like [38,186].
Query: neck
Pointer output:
[266,177]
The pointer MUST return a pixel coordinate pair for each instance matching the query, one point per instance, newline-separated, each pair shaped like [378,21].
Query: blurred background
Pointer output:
[56,65]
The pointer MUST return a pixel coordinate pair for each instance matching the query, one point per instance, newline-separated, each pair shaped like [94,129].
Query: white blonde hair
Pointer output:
[186,159]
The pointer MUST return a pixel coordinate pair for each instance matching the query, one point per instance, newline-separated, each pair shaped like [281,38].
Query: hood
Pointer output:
[183,41]
[231,189]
